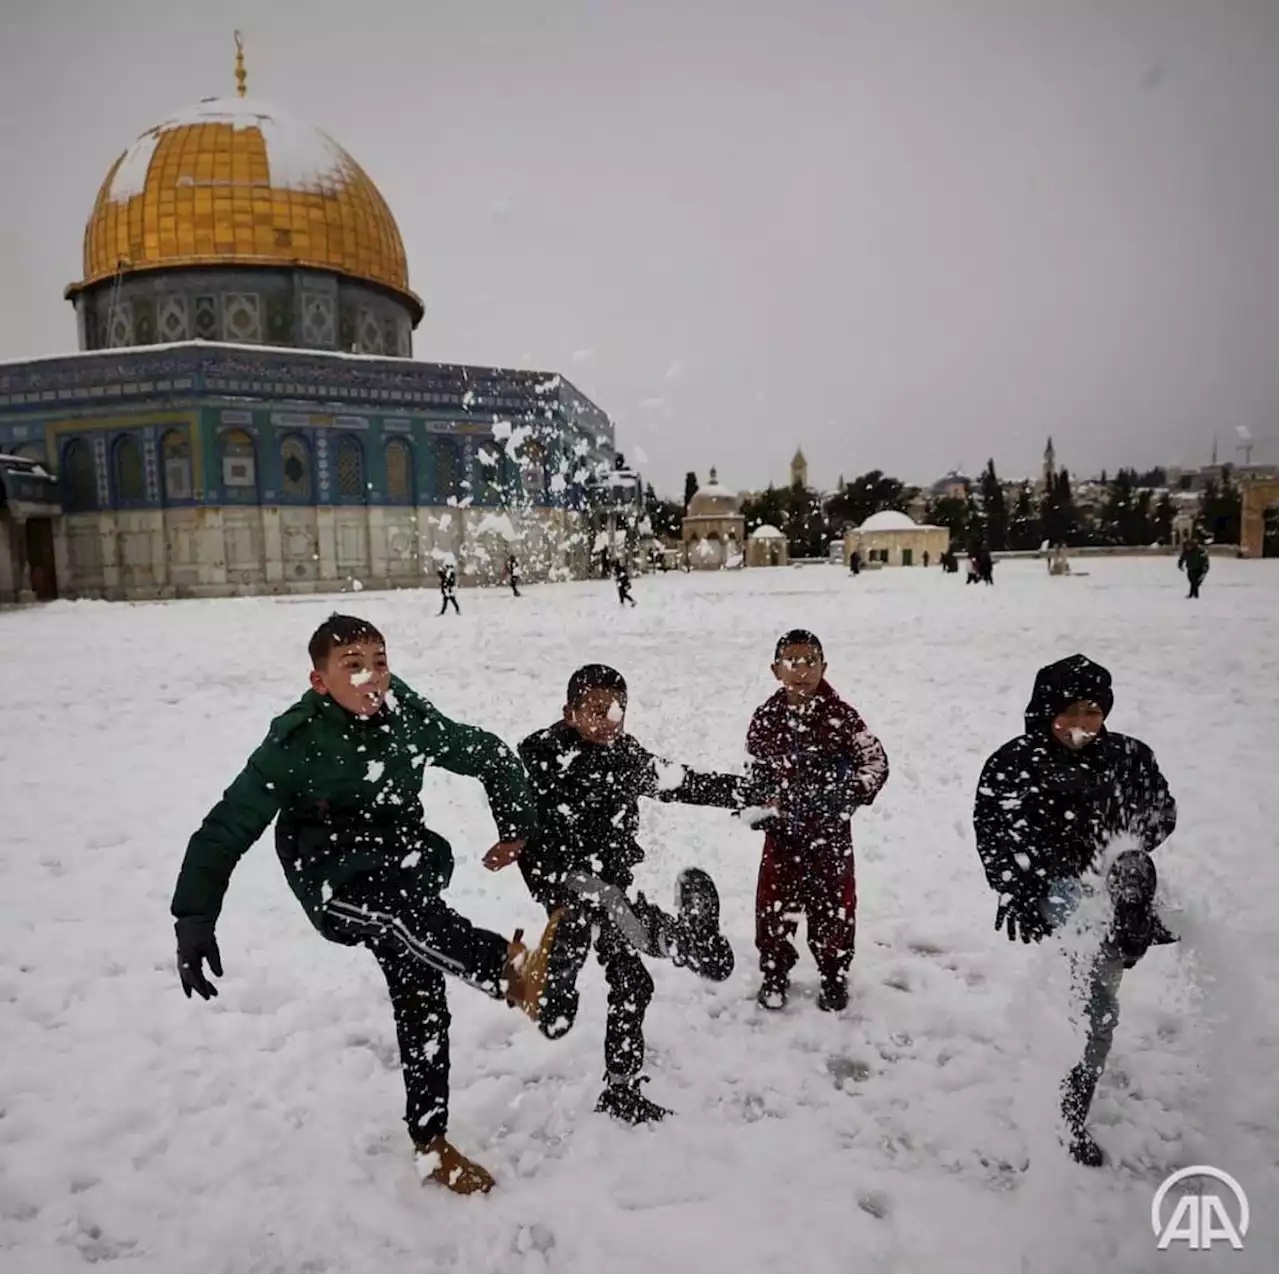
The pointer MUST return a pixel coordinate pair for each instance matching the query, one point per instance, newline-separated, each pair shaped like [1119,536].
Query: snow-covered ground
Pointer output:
[261,1132]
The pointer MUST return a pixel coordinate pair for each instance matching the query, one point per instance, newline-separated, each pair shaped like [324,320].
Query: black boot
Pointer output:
[1131,882]
[773,991]
[623,1100]
[696,940]
[1077,1096]
[834,996]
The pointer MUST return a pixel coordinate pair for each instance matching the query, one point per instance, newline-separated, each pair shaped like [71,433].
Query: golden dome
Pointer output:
[233,181]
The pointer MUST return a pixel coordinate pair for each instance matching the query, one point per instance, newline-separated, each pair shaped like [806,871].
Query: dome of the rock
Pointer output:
[236,181]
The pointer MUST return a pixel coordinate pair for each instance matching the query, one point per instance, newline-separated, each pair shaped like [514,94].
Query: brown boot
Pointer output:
[525,975]
[441,1162]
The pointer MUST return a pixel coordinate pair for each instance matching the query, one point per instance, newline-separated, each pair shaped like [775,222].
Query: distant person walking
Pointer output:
[1194,560]
[513,575]
[448,588]
[622,580]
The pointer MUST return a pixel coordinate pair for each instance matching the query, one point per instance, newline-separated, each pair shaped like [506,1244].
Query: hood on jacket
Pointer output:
[1066,682]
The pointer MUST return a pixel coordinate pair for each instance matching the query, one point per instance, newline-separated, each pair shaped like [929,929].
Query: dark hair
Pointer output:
[340,630]
[796,637]
[595,677]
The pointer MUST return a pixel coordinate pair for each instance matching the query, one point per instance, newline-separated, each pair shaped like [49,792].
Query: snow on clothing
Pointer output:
[357,855]
[1043,814]
[819,762]
[588,805]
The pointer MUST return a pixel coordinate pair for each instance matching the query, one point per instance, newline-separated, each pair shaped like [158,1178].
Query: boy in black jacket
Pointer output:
[587,776]
[1049,803]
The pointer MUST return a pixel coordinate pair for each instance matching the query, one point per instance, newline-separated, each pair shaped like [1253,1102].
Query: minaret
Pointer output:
[241,74]
[1050,465]
[799,469]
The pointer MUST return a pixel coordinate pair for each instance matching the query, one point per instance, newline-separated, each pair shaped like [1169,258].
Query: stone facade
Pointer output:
[219,470]
[1258,511]
[713,530]
[892,539]
[767,546]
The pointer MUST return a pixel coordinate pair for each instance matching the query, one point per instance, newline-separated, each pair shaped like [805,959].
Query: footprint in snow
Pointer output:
[848,1068]
[875,1203]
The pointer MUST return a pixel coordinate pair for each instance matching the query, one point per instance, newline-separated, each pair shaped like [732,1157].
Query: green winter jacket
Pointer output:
[347,792]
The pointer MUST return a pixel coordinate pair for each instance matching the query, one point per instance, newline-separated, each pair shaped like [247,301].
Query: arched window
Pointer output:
[448,470]
[351,488]
[79,477]
[175,448]
[239,465]
[399,458]
[128,474]
[295,469]
[486,473]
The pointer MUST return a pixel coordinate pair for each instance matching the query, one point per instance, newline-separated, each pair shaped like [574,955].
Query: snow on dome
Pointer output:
[889,520]
[715,489]
[299,156]
[767,532]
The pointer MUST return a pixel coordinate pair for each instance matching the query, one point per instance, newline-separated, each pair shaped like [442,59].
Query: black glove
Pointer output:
[1020,916]
[196,944]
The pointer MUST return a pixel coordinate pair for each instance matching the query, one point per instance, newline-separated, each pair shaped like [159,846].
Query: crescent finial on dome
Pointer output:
[241,73]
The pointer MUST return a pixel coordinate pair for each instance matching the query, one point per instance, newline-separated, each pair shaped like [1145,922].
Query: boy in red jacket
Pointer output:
[814,752]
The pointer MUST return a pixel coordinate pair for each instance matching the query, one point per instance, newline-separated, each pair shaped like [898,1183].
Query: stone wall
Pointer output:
[233,551]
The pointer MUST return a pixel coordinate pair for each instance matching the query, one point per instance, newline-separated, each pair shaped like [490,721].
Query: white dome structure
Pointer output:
[713,529]
[891,538]
[888,520]
[767,532]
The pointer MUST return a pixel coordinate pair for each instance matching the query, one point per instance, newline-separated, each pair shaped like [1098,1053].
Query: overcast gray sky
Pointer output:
[904,234]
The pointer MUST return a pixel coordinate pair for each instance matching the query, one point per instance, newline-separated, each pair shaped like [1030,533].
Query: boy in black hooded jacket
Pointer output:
[1049,803]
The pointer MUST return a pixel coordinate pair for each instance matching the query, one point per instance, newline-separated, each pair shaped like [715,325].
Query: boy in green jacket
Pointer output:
[343,770]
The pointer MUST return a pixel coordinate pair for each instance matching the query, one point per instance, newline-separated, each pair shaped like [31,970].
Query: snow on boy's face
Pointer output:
[800,669]
[598,716]
[355,677]
[1077,725]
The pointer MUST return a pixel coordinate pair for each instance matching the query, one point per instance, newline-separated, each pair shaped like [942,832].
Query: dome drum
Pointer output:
[302,308]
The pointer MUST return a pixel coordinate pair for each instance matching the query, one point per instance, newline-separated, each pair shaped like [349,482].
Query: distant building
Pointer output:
[767,546]
[799,469]
[713,529]
[893,539]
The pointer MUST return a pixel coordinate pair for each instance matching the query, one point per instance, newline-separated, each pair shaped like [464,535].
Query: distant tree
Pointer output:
[805,522]
[664,515]
[690,487]
[1024,523]
[1157,477]
[951,511]
[769,508]
[995,515]
[1219,519]
[1162,519]
[1060,523]
[873,492]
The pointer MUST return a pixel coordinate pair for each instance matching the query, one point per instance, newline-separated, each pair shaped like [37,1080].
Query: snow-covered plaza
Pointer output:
[913,1133]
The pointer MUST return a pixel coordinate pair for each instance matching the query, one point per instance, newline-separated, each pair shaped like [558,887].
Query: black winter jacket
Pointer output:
[587,799]
[1044,811]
